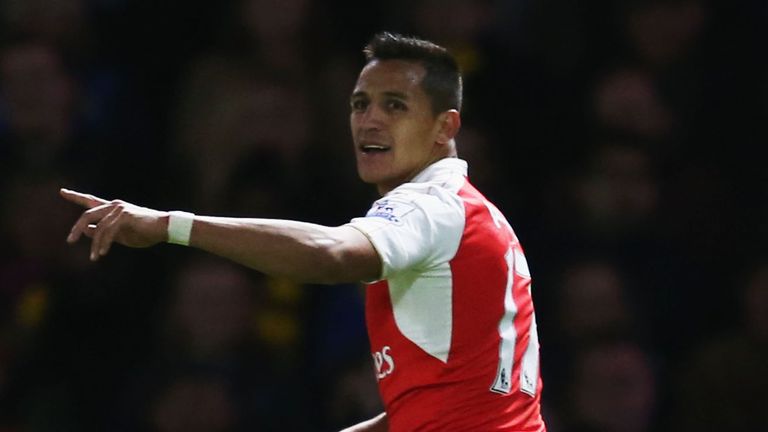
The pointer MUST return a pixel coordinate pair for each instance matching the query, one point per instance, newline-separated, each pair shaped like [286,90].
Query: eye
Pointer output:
[396,105]
[358,105]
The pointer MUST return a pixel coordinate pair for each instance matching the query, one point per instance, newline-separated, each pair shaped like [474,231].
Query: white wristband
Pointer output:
[180,227]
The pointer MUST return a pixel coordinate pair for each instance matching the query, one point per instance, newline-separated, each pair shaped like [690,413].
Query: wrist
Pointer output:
[180,227]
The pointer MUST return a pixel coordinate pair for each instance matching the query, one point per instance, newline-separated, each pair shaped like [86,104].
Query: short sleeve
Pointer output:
[413,231]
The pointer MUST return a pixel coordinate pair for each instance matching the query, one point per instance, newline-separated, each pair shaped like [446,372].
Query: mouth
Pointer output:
[369,148]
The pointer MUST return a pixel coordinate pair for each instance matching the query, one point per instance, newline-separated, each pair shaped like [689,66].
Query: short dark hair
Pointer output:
[442,82]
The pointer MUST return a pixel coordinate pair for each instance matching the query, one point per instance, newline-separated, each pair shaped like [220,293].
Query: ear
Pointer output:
[449,123]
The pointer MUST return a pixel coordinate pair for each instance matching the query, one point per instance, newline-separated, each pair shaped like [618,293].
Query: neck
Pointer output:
[439,154]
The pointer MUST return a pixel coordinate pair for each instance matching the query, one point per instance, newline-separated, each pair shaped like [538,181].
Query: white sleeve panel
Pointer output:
[414,229]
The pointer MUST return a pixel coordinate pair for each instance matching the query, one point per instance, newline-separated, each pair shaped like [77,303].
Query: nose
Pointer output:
[372,118]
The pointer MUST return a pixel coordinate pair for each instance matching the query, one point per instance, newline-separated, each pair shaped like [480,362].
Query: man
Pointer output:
[450,316]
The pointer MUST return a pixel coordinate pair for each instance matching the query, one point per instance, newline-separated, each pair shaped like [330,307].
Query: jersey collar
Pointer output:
[445,166]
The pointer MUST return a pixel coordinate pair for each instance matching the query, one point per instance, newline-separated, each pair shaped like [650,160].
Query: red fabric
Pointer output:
[421,392]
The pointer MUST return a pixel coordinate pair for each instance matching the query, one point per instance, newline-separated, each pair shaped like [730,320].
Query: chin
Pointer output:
[367,175]
[368,179]
[372,180]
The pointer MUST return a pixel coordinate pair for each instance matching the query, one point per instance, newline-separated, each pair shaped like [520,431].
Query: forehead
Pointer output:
[391,75]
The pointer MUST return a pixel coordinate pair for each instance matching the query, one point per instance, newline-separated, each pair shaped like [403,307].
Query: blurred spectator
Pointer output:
[607,203]
[47,292]
[467,29]
[214,359]
[619,192]
[664,32]
[660,76]
[33,266]
[58,117]
[458,25]
[31,235]
[478,150]
[628,100]
[280,35]
[229,114]
[613,389]
[40,109]
[354,396]
[262,98]
[71,328]
[50,21]
[592,303]
[194,404]
[211,311]
[723,384]
[338,364]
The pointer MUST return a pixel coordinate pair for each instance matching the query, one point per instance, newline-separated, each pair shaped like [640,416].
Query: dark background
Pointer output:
[622,139]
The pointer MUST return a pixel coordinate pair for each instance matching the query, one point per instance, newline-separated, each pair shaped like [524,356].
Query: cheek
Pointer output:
[415,136]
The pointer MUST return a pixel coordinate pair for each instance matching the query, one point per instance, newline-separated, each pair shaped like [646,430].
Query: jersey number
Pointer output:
[529,366]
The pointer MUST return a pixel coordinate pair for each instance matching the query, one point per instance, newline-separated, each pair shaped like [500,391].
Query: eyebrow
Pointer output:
[396,94]
[399,95]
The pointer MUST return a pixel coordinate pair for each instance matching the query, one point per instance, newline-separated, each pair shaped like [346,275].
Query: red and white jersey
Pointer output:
[451,322]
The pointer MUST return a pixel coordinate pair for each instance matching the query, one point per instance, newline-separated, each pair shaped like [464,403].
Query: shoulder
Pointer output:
[432,199]
[416,225]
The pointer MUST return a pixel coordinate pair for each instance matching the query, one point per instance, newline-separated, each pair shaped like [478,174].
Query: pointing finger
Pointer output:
[85,200]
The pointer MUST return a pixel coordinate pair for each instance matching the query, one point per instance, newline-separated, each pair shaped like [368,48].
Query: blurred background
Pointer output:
[622,139]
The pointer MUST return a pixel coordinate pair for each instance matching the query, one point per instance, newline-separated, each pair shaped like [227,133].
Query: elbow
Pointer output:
[340,255]
[341,264]
[331,268]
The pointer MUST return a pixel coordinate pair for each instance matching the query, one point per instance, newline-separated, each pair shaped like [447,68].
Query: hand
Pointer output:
[106,222]
[380,423]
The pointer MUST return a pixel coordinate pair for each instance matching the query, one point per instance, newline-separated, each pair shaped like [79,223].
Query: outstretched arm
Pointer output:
[376,424]
[301,251]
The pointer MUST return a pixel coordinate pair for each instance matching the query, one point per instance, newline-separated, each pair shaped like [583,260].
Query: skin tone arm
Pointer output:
[301,251]
[376,424]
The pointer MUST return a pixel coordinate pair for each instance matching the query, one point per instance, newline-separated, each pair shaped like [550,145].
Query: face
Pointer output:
[396,135]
